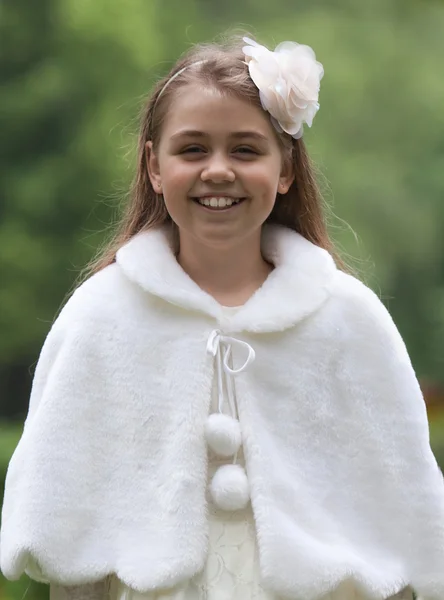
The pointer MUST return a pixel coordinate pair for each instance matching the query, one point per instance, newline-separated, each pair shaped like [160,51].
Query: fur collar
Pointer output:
[300,283]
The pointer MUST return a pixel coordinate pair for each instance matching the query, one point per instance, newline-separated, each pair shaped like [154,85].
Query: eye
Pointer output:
[246,150]
[192,150]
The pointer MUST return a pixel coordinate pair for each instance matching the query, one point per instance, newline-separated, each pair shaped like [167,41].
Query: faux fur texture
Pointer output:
[111,471]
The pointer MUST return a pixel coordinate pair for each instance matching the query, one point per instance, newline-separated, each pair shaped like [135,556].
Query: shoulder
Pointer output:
[98,297]
[353,296]
[95,307]
[91,320]
[362,315]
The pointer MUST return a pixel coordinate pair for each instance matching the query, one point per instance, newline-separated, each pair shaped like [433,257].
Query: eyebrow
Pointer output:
[235,135]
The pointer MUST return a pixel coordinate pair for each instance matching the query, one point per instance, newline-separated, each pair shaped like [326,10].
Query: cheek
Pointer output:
[176,175]
[266,176]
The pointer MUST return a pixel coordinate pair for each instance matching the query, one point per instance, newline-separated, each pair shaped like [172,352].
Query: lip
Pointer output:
[218,195]
[213,209]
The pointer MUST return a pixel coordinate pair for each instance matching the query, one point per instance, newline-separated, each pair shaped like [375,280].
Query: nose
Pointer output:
[218,169]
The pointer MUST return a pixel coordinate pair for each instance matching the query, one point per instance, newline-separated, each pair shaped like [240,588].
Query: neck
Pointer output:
[231,275]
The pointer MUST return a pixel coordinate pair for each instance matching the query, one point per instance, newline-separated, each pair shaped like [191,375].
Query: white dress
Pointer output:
[232,569]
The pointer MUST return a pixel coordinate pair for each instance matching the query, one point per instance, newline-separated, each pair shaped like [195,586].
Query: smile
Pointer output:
[218,202]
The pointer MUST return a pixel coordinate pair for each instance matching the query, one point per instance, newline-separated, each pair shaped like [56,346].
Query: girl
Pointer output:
[220,411]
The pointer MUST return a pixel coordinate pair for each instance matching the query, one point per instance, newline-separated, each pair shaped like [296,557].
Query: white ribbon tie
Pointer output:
[217,345]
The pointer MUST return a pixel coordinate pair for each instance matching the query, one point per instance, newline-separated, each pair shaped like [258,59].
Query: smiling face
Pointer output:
[219,167]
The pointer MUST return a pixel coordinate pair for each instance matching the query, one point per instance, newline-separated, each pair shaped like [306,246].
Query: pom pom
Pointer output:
[223,434]
[229,487]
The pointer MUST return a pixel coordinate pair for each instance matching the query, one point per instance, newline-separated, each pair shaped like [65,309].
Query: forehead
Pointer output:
[196,108]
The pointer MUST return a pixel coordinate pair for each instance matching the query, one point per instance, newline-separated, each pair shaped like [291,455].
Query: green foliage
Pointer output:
[9,437]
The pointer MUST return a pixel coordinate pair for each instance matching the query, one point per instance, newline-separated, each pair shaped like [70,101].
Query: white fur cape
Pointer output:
[111,471]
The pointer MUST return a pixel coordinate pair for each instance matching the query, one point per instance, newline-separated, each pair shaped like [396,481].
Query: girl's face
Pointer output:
[218,166]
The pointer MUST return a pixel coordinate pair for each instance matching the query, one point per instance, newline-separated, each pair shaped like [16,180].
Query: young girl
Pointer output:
[220,411]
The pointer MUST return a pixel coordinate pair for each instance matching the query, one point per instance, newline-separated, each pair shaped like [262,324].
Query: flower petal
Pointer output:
[248,40]
[288,81]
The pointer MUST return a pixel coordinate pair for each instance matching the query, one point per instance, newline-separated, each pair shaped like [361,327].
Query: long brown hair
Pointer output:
[221,66]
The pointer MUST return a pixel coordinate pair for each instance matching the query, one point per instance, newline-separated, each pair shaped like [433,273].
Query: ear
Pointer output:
[286,177]
[152,165]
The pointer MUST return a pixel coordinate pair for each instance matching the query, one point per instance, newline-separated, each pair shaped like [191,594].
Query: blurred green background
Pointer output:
[74,75]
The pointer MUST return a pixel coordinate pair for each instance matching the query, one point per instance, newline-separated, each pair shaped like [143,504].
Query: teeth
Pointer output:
[215,202]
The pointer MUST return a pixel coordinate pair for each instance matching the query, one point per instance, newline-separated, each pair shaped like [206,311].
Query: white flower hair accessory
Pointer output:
[288,80]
